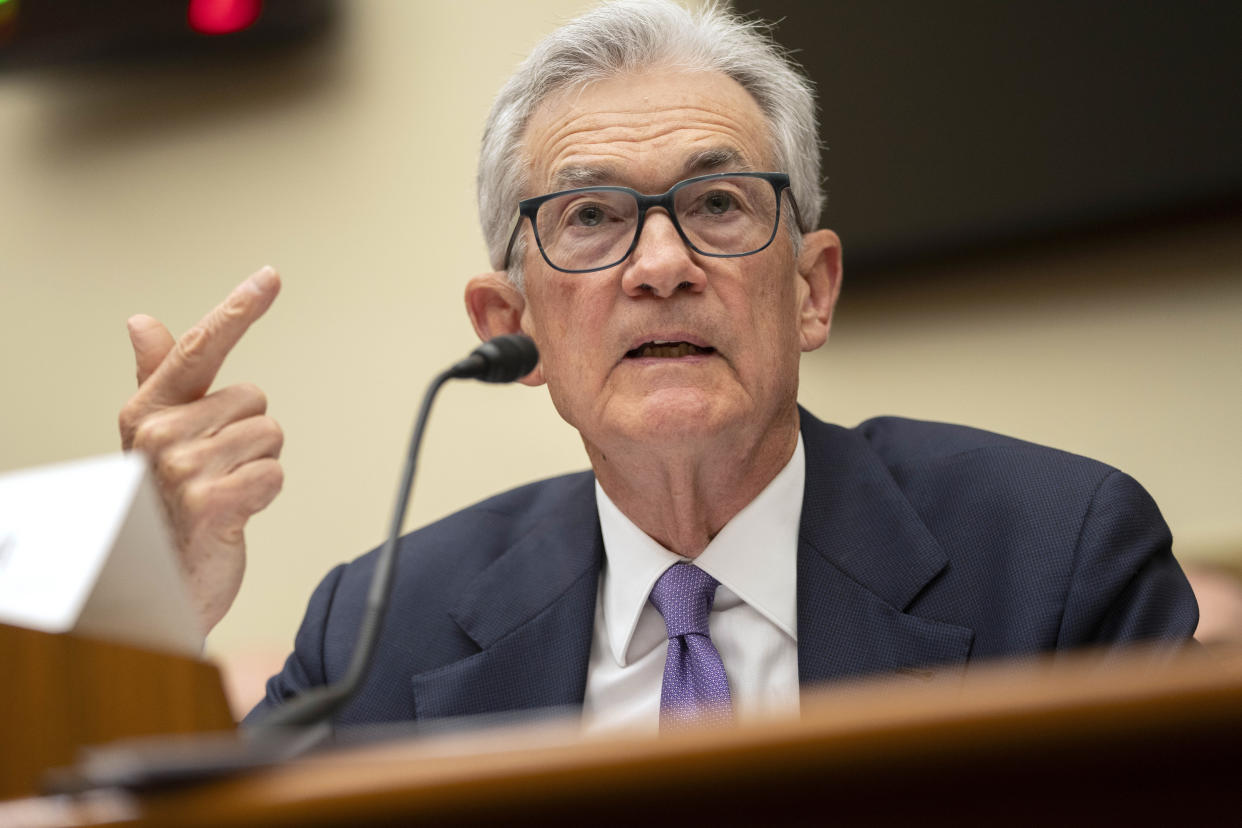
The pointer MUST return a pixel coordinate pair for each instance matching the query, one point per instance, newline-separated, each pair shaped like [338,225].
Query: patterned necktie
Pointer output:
[695,689]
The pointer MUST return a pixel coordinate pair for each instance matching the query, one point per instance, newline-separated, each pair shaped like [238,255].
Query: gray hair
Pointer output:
[631,35]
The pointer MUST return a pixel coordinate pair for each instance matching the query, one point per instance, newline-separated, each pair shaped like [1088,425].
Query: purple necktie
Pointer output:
[695,690]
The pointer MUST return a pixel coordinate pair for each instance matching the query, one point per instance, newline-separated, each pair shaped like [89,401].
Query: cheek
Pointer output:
[554,312]
[564,323]
[773,344]
[770,300]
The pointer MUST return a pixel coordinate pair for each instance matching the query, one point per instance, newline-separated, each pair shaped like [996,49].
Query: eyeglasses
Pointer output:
[594,228]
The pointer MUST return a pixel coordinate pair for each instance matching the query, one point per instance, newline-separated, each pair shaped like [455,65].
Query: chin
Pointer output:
[679,415]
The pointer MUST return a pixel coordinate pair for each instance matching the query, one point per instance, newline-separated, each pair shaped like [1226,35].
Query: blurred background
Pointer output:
[1042,237]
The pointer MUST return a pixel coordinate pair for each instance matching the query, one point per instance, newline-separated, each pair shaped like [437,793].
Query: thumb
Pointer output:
[151,341]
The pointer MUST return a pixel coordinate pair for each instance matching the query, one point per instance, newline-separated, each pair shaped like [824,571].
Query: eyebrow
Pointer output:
[715,159]
[569,177]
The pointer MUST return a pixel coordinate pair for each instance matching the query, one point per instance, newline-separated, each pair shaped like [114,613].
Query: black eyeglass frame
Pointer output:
[528,208]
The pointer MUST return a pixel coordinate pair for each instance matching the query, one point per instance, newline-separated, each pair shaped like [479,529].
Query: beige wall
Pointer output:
[351,170]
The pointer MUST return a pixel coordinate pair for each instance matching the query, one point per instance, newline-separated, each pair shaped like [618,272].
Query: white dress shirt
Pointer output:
[753,622]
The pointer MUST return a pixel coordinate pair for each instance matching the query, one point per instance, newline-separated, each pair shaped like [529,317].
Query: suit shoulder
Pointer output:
[903,442]
[460,544]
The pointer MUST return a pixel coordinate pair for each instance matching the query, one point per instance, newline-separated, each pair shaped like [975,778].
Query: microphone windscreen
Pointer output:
[509,357]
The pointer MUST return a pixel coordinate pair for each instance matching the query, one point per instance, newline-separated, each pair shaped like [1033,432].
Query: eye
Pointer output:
[718,202]
[587,215]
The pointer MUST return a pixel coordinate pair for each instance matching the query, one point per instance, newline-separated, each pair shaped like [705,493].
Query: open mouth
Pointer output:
[663,349]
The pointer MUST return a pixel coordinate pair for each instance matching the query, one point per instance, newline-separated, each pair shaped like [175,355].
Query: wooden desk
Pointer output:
[1078,742]
[58,692]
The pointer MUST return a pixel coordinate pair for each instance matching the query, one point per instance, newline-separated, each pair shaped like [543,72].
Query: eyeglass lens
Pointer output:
[720,216]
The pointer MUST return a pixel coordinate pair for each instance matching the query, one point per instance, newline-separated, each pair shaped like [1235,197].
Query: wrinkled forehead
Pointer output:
[645,130]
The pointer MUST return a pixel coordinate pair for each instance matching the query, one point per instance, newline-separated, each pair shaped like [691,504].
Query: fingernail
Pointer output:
[264,278]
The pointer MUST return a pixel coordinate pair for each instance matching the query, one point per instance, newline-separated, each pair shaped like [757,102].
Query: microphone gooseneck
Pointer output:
[502,359]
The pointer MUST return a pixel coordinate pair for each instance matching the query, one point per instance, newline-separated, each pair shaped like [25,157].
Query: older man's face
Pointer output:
[745,319]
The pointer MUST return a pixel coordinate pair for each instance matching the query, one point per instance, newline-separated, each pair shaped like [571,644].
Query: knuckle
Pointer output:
[272,431]
[234,307]
[276,476]
[177,463]
[192,343]
[267,484]
[233,534]
[127,422]
[252,394]
[153,433]
[197,497]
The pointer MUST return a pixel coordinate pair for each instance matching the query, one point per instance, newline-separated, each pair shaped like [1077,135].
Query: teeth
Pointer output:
[666,349]
[671,350]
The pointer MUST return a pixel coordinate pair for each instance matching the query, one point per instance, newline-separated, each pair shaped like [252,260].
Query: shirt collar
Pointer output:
[755,556]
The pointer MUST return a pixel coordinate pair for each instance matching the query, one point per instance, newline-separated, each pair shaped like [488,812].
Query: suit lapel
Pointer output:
[531,612]
[864,555]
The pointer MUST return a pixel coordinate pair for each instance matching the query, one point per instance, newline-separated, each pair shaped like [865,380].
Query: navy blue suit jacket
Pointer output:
[921,544]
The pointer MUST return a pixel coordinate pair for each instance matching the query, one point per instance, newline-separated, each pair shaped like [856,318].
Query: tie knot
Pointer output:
[684,595]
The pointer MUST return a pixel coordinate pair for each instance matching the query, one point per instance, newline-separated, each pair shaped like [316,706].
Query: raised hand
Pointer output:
[214,456]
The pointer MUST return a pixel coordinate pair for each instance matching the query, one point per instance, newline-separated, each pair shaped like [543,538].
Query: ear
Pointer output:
[819,267]
[496,307]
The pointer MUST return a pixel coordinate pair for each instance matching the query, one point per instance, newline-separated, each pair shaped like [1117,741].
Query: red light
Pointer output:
[217,17]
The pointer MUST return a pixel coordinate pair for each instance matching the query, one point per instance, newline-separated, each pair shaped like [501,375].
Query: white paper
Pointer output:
[84,548]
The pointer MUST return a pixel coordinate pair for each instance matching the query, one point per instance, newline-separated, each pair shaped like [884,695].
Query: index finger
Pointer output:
[190,367]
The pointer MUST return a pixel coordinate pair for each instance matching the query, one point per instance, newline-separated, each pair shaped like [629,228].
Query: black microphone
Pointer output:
[501,359]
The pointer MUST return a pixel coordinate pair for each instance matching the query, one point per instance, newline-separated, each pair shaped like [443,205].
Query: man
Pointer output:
[662,166]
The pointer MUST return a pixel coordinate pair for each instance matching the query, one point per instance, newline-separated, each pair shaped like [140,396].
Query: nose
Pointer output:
[661,264]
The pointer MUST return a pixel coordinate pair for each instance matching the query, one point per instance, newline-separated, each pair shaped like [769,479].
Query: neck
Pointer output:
[682,496]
